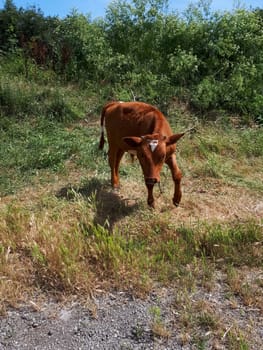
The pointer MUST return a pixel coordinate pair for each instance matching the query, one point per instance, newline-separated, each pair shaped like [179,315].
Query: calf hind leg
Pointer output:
[114,161]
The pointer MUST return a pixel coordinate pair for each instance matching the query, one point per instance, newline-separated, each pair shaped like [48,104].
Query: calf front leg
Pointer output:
[177,175]
[150,199]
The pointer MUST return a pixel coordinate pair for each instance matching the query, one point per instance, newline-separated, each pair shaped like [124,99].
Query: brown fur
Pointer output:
[132,126]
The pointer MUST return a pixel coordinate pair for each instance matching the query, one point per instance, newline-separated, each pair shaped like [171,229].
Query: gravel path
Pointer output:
[122,322]
[117,322]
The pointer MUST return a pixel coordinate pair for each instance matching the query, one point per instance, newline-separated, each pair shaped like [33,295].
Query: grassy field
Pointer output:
[64,232]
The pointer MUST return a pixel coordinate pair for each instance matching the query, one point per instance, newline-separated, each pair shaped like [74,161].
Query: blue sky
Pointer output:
[96,8]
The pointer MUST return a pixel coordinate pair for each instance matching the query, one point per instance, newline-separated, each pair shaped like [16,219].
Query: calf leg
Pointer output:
[115,156]
[118,160]
[150,199]
[177,175]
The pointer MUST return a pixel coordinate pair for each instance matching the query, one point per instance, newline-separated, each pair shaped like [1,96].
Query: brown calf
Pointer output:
[141,128]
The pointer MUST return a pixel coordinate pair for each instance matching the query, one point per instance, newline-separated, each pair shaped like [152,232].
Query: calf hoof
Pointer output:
[177,199]
[176,202]
[151,204]
[116,189]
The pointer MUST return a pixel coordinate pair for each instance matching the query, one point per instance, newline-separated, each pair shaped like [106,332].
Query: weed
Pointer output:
[236,340]
[248,290]
[138,332]
[233,279]
[207,320]
[157,325]
[37,255]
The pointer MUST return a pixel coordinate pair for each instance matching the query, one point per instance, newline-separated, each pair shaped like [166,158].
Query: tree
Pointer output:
[80,48]
[8,26]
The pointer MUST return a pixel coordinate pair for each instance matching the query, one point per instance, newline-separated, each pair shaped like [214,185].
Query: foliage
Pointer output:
[211,60]
[80,48]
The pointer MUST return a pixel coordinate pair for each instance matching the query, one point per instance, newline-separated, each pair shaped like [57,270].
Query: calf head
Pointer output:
[152,152]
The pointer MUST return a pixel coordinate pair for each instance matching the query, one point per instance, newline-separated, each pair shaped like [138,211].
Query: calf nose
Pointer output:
[150,181]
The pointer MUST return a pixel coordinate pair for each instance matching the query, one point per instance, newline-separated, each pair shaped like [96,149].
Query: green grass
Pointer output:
[31,146]
[233,243]
[232,155]
[20,99]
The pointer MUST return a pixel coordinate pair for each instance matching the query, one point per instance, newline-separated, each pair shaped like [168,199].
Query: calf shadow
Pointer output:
[109,207]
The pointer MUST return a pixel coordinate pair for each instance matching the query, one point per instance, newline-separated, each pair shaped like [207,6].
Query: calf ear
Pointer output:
[132,141]
[173,139]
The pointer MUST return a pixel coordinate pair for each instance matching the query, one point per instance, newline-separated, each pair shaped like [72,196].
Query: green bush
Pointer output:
[210,60]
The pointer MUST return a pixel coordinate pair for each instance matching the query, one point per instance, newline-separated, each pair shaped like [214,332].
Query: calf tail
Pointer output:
[102,139]
[103,113]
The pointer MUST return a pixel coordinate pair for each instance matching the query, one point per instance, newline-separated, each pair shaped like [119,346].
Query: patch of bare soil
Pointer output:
[207,199]
[213,200]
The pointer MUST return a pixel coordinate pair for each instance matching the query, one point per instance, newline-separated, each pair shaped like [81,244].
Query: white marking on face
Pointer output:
[153,144]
